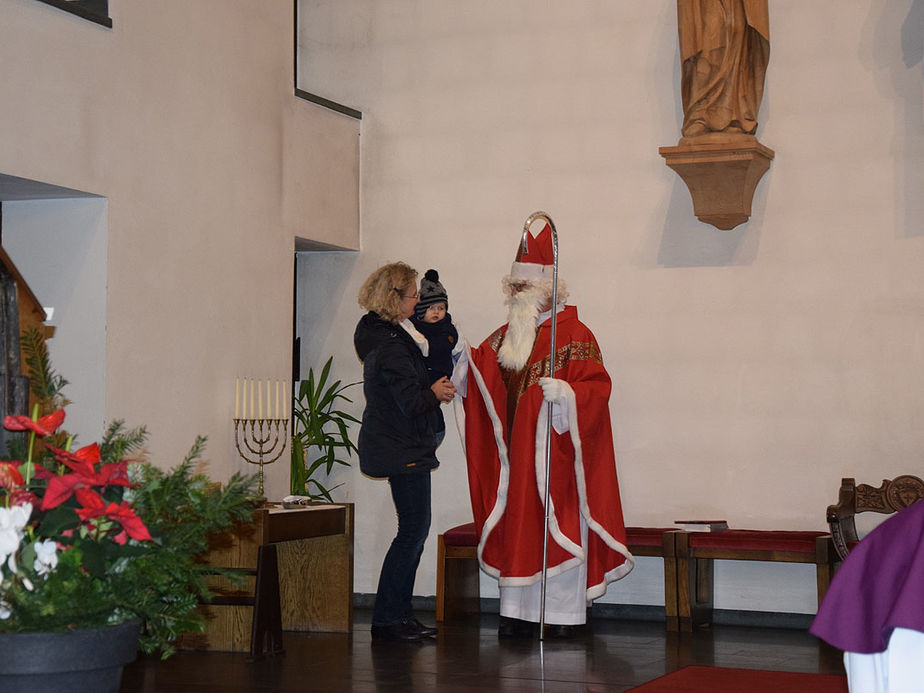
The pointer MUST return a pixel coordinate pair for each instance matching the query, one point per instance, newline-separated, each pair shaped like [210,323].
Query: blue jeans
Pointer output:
[411,495]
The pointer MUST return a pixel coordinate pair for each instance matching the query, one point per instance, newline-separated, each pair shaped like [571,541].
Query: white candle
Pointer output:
[260,400]
[269,402]
[253,412]
[285,402]
[277,410]
[237,398]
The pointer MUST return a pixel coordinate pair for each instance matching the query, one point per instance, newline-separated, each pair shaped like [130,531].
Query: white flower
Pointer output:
[5,612]
[12,522]
[46,557]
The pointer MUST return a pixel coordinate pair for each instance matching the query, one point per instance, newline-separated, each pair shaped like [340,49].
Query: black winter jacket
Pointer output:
[402,422]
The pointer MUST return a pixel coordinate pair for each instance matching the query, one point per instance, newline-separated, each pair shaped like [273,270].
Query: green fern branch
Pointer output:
[118,442]
[45,384]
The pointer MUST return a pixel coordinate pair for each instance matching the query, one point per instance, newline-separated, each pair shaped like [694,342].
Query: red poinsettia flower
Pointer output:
[113,474]
[81,461]
[60,488]
[45,426]
[94,506]
[10,477]
[128,518]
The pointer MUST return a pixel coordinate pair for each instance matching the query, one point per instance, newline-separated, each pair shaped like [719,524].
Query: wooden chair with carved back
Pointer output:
[853,499]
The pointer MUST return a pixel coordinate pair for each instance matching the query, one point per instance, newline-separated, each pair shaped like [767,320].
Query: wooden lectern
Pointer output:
[300,577]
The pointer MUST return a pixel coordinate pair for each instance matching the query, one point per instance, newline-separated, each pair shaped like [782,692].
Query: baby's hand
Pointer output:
[443,389]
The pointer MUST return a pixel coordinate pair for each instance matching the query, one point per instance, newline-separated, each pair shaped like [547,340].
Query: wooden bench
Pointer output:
[889,497]
[659,542]
[457,589]
[457,572]
[696,552]
[689,556]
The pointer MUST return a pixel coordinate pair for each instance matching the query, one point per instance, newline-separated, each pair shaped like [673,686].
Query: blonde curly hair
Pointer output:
[383,290]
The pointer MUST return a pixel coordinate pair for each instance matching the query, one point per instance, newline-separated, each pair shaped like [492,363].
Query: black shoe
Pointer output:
[403,631]
[558,631]
[515,628]
[425,631]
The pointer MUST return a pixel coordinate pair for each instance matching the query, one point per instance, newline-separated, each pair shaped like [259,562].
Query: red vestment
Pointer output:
[507,469]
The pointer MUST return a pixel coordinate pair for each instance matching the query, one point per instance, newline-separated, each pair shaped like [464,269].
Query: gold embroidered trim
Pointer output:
[577,351]
[495,340]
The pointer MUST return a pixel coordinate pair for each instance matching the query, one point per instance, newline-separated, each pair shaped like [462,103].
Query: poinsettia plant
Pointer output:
[89,538]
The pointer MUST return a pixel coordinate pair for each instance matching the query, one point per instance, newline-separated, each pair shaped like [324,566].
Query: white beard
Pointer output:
[522,316]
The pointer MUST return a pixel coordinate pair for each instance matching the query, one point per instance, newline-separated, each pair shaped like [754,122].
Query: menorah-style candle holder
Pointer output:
[260,440]
[263,439]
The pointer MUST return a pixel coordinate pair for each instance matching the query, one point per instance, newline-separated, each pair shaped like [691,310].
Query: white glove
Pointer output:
[553,389]
[557,392]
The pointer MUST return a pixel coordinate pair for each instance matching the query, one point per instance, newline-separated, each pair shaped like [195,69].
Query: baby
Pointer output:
[434,322]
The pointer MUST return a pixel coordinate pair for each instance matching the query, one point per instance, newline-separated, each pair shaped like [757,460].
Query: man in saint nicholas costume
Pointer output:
[504,420]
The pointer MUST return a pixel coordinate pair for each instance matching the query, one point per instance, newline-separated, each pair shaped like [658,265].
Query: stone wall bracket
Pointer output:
[721,171]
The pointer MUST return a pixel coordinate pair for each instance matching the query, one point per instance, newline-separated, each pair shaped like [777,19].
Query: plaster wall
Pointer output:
[183,117]
[753,368]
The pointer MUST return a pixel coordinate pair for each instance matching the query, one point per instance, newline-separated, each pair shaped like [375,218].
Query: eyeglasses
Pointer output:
[404,295]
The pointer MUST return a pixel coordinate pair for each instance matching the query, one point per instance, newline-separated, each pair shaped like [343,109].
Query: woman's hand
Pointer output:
[443,389]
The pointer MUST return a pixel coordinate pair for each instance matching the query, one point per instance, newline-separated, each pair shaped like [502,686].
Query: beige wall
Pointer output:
[183,116]
[753,368]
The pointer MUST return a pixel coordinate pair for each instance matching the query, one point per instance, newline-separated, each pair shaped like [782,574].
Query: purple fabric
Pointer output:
[880,586]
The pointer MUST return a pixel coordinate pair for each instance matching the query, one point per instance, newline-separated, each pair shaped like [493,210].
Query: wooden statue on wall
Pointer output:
[724,51]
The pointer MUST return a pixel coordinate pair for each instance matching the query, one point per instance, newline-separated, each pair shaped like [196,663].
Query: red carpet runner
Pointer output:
[716,680]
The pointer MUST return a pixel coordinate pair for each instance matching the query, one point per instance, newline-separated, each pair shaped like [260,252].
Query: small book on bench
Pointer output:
[701,525]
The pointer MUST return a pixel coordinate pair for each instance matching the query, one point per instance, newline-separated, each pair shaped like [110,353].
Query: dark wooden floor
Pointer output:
[467,656]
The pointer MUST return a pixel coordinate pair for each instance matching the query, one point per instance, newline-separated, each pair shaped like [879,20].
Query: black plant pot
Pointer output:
[77,661]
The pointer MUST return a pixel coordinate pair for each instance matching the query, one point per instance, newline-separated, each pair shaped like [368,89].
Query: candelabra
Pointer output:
[263,439]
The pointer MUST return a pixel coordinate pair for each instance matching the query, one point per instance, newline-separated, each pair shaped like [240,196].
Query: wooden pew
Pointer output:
[457,572]
[696,552]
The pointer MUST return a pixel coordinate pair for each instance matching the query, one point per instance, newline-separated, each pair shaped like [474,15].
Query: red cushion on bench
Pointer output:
[646,536]
[463,535]
[799,541]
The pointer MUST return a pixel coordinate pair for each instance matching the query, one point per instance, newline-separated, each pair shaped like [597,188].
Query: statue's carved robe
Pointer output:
[724,50]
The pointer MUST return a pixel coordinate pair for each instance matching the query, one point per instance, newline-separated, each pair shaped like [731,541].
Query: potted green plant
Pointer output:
[98,552]
[320,433]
